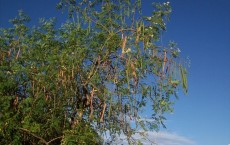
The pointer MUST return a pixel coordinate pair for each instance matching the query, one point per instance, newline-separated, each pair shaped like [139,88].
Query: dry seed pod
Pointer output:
[15,103]
[72,72]
[9,52]
[103,112]
[18,54]
[124,40]
[46,96]
[134,72]
[138,34]
[91,103]
[165,60]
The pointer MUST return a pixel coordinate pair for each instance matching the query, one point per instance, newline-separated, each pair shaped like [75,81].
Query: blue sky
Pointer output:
[202,30]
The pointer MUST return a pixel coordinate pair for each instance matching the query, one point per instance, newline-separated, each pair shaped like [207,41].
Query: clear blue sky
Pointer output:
[202,30]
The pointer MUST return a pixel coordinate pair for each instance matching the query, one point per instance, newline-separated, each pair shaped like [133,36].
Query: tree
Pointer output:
[94,74]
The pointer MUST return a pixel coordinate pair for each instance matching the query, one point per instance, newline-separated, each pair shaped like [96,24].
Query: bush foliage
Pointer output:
[92,76]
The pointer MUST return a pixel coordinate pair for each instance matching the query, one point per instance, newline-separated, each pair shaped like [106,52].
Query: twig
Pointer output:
[54,139]
[34,135]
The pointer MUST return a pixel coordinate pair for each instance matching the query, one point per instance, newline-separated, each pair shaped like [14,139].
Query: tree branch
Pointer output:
[54,139]
[34,135]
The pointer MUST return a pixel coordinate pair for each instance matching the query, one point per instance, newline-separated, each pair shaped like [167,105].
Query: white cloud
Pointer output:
[167,138]
[158,138]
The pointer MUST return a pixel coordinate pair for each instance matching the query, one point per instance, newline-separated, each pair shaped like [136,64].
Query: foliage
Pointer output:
[93,75]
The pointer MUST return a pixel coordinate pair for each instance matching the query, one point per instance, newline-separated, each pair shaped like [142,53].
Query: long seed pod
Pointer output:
[134,73]
[18,53]
[15,103]
[138,34]
[184,79]
[164,62]
[91,104]
[9,52]
[102,113]
[124,40]
[72,72]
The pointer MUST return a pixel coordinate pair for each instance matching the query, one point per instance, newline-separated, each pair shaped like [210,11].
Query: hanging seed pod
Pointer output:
[164,61]
[91,104]
[18,53]
[102,113]
[9,52]
[138,35]
[134,73]
[15,102]
[184,79]
[124,40]
[72,72]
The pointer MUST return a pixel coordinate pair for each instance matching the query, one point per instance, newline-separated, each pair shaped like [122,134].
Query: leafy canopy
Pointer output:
[93,75]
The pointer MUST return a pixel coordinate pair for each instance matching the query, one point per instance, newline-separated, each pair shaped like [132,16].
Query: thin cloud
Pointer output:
[167,138]
[157,138]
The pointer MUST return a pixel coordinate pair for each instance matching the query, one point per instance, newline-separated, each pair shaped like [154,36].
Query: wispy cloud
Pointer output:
[158,138]
[168,138]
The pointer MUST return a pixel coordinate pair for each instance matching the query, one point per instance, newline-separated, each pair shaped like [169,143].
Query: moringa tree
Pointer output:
[93,75]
